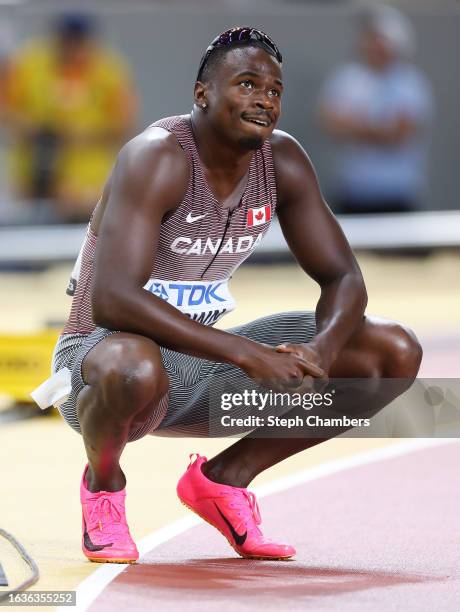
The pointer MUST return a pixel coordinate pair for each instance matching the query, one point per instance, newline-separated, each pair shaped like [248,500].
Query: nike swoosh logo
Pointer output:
[191,219]
[89,545]
[239,539]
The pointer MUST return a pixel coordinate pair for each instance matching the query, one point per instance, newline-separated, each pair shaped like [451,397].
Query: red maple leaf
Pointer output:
[259,216]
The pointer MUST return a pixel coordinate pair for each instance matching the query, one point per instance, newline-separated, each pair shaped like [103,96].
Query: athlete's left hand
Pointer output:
[318,378]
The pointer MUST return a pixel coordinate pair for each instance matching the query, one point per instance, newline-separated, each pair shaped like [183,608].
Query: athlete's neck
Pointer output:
[218,156]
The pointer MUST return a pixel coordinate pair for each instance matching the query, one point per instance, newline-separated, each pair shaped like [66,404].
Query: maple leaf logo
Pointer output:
[259,216]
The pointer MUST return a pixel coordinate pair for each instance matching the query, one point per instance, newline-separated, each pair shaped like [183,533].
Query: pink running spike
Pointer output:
[231,510]
[106,537]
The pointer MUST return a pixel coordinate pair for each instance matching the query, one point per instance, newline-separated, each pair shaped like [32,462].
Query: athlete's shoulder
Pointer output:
[153,141]
[153,150]
[293,168]
[149,168]
[288,153]
[283,143]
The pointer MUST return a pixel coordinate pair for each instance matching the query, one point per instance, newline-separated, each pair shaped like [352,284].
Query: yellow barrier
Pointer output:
[25,362]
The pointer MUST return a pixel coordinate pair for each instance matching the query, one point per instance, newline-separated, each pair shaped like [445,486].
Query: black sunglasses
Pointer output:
[240,35]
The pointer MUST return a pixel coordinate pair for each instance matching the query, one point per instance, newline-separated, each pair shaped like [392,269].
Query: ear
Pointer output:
[200,94]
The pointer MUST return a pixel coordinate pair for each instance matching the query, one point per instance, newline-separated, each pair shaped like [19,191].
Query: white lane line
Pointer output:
[93,585]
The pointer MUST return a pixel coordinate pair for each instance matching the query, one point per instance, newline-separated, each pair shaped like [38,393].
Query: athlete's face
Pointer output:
[244,97]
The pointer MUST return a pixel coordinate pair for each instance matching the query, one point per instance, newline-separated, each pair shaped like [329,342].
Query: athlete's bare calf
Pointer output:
[126,380]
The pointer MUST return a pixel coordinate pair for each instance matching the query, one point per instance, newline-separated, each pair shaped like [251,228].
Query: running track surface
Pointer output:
[381,536]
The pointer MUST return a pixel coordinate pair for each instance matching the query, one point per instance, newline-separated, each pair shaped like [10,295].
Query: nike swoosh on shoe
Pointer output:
[89,545]
[239,539]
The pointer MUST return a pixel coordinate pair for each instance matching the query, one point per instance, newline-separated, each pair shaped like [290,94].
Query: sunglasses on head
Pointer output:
[240,35]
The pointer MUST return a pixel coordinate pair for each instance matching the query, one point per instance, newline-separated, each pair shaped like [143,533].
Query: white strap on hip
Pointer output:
[54,391]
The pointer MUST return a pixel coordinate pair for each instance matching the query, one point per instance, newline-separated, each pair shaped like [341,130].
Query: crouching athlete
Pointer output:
[188,200]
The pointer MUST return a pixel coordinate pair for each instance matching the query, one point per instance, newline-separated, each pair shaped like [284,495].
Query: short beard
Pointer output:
[251,144]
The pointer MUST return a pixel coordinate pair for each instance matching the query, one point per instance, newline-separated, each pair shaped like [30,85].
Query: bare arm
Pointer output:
[319,245]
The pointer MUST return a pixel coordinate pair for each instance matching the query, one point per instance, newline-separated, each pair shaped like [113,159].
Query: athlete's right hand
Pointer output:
[280,371]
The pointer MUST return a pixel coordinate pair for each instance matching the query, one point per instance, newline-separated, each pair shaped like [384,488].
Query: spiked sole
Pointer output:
[237,551]
[112,560]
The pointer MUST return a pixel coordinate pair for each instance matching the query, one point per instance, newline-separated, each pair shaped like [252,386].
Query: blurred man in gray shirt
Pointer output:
[378,108]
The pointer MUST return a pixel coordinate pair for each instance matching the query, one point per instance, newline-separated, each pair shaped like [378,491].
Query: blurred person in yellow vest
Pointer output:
[72,103]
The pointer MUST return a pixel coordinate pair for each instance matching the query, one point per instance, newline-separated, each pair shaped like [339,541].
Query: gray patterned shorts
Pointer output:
[184,411]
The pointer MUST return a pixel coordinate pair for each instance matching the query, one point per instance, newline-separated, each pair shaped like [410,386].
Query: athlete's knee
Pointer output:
[135,384]
[402,352]
[131,377]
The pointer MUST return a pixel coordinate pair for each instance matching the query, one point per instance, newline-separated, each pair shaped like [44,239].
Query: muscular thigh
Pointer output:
[109,365]
[125,372]
[366,351]
[120,351]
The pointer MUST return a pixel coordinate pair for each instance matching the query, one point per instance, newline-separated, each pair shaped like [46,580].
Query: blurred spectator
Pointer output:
[6,43]
[72,104]
[7,38]
[378,108]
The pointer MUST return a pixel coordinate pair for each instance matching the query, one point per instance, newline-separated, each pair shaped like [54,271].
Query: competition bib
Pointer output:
[202,301]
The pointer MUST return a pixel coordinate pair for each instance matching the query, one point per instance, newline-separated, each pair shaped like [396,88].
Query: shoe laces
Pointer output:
[247,507]
[105,513]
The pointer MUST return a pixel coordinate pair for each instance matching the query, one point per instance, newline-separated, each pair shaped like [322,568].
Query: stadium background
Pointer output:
[164,41]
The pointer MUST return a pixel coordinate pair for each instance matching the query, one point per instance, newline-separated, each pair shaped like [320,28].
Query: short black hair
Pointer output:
[218,55]
[76,26]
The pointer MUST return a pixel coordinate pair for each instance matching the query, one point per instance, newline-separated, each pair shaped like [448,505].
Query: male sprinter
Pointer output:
[188,200]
